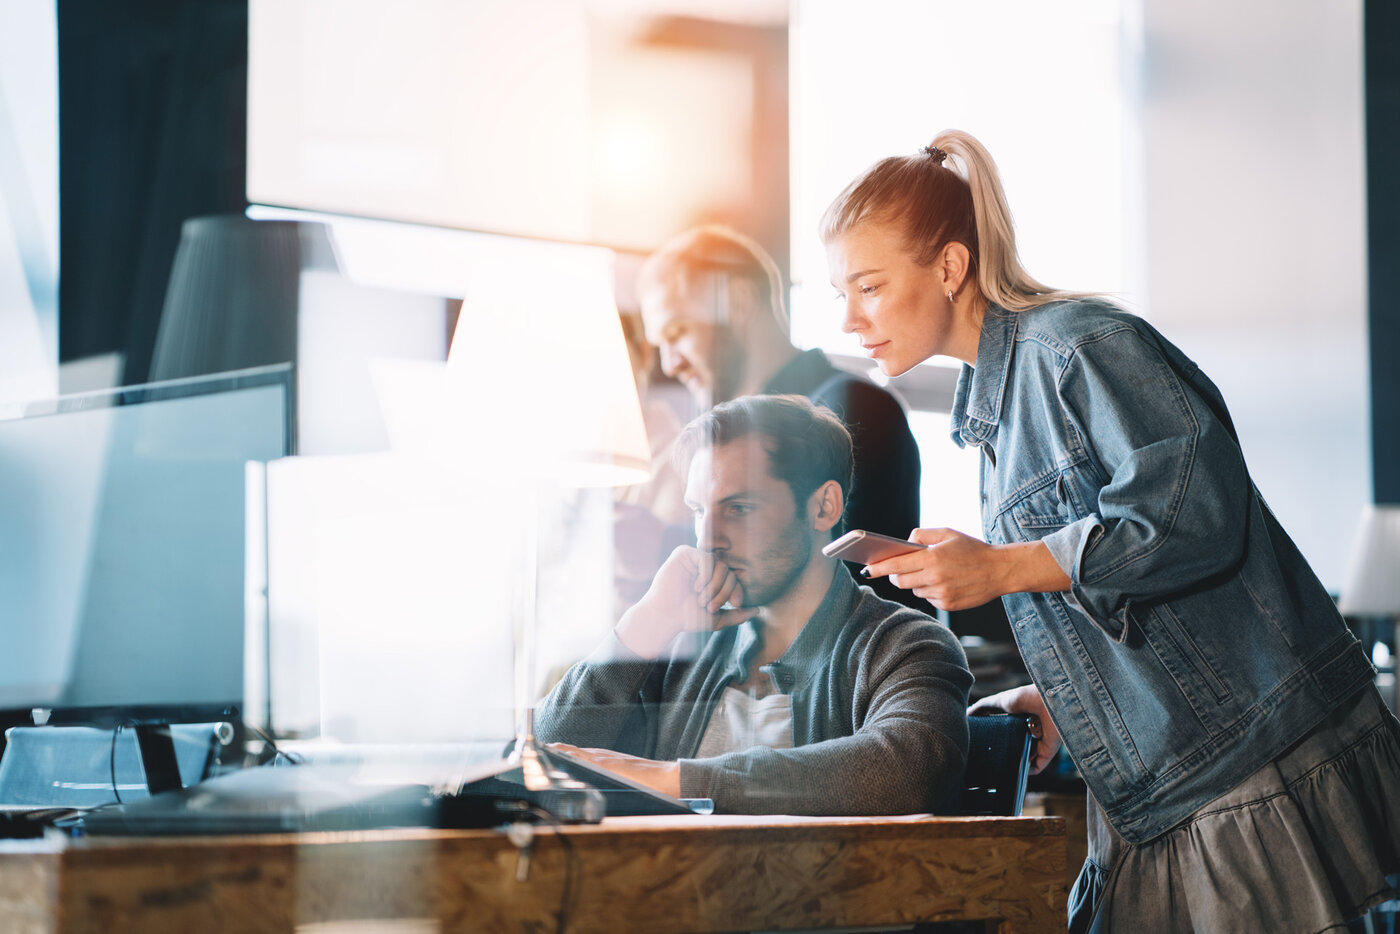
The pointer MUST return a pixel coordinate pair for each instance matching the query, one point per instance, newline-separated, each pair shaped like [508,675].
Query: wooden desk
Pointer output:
[667,874]
[1073,807]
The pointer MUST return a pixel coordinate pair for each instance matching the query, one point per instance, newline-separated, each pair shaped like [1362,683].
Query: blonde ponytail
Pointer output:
[941,203]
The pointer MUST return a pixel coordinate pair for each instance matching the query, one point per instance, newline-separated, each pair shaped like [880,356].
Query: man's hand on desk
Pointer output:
[1026,700]
[664,777]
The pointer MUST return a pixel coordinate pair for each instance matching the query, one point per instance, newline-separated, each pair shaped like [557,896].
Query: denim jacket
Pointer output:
[1195,644]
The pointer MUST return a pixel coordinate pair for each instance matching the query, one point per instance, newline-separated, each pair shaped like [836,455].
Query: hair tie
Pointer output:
[934,153]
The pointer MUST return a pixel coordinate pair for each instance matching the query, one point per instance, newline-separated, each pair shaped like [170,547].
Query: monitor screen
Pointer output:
[123,541]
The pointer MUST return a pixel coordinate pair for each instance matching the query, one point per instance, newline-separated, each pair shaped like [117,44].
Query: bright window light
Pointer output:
[1052,99]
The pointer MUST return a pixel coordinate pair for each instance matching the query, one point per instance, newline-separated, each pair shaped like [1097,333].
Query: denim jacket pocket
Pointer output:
[1042,509]
[1181,655]
[1048,507]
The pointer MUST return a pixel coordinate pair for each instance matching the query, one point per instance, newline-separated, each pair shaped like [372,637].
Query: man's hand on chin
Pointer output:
[664,777]
[694,591]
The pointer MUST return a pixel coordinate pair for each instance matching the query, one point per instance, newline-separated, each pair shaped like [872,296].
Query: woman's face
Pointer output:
[896,308]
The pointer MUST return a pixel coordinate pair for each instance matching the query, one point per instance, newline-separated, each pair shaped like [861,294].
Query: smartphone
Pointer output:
[864,547]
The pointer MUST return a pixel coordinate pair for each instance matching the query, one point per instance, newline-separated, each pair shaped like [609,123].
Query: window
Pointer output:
[1052,100]
[28,200]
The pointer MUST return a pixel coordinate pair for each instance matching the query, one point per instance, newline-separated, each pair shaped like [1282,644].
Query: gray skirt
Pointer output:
[1303,845]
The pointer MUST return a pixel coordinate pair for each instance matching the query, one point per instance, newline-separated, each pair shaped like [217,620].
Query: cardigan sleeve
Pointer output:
[598,702]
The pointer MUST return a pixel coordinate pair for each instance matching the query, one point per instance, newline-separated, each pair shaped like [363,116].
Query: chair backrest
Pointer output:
[998,764]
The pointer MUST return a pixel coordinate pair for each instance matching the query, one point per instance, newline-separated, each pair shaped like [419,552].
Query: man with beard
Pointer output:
[712,304]
[755,671]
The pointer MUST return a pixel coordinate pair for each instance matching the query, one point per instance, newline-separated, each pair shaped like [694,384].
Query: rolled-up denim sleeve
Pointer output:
[1174,509]
[1067,544]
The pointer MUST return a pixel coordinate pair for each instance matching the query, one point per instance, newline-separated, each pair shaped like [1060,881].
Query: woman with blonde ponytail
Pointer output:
[1243,772]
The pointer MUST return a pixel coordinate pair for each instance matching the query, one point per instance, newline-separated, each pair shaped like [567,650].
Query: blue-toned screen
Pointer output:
[123,534]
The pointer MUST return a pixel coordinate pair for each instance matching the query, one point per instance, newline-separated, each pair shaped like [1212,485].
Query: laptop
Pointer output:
[331,797]
[621,796]
[269,799]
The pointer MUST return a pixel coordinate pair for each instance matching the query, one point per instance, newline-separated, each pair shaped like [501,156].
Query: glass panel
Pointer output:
[124,553]
[28,199]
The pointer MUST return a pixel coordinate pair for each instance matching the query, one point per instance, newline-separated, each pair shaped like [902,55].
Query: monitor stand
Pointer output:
[158,757]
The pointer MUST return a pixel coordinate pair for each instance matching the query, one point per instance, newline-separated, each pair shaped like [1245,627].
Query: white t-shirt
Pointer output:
[742,722]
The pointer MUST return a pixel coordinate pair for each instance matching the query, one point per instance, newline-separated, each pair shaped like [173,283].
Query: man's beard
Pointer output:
[779,567]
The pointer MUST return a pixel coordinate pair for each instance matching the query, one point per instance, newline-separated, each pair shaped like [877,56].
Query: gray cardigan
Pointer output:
[879,698]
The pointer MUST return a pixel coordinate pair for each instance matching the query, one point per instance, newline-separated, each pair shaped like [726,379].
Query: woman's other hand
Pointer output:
[958,572]
[1025,700]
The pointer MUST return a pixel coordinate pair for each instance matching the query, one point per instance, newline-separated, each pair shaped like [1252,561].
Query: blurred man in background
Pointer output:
[712,303]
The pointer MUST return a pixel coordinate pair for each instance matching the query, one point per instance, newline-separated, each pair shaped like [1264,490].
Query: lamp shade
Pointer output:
[1373,577]
[232,298]
[540,374]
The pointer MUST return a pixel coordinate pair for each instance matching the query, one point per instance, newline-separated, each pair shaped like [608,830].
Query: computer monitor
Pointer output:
[124,525]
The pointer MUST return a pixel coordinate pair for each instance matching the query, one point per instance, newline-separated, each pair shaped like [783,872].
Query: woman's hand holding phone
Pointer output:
[861,547]
[957,572]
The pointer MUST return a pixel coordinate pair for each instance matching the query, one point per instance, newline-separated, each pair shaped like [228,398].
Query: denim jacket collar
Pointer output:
[977,401]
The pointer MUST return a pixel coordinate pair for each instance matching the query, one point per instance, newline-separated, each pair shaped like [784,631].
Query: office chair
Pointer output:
[998,764]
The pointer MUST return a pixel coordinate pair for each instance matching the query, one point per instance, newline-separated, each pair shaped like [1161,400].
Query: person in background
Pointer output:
[650,518]
[1243,773]
[712,304]
[754,671]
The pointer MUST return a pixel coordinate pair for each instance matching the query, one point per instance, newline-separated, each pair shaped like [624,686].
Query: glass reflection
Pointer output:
[754,671]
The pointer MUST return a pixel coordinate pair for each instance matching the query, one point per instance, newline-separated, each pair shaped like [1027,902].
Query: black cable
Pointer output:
[566,897]
[112,764]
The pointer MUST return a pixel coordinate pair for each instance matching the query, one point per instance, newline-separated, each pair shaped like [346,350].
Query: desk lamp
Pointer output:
[541,384]
[1373,580]
[234,292]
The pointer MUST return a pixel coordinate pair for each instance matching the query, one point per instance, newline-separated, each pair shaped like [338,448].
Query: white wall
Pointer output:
[1255,224]
[1051,99]
[1042,85]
